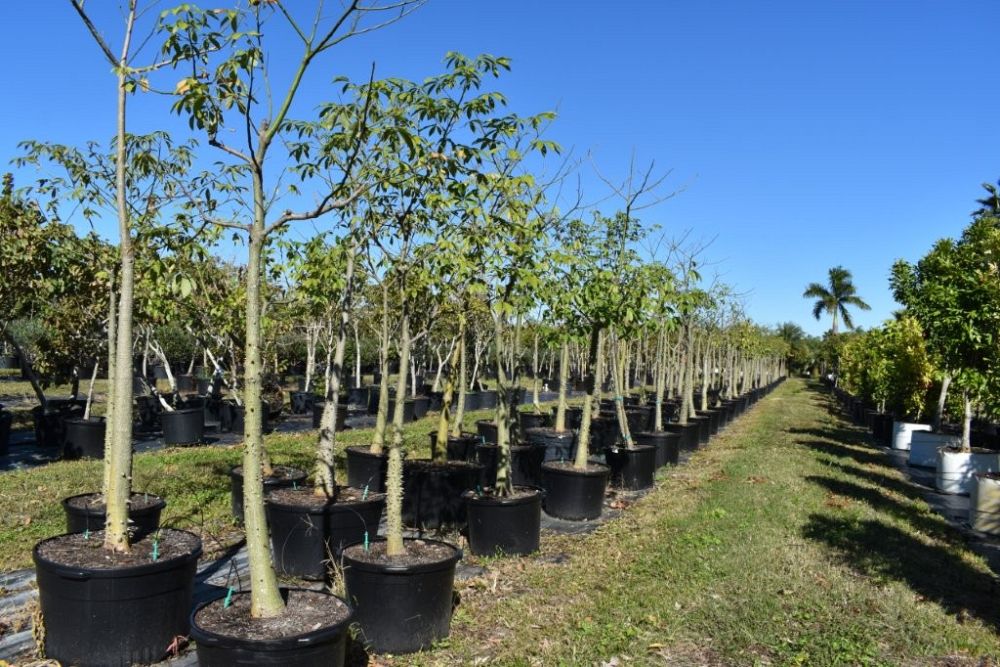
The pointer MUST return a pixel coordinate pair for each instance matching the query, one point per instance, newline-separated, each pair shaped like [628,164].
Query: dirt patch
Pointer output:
[87,550]
[305,612]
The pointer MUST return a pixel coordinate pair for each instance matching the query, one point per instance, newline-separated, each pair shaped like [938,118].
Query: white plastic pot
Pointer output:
[984,505]
[924,447]
[903,431]
[956,470]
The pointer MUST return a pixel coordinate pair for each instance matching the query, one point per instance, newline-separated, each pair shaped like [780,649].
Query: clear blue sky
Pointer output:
[804,134]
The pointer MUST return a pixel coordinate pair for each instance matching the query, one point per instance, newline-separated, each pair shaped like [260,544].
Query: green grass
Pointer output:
[194,481]
[787,542]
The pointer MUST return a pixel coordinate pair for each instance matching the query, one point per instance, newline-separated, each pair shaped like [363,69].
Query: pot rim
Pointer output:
[402,569]
[473,497]
[84,573]
[551,466]
[208,638]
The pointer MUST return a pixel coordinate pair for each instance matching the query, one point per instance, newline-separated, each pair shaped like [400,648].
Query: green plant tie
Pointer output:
[479,490]
[156,550]
[86,534]
[618,399]
[295,485]
[364,493]
[366,540]
[229,598]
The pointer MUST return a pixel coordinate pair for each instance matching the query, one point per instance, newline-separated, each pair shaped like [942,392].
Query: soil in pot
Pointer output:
[507,525]
[86,512]
[402,604]
[572,493]
[312,630]
[432,492]
[280,477]
[366,470]
[104,608]
[308,530]
[631,468]
[84,438]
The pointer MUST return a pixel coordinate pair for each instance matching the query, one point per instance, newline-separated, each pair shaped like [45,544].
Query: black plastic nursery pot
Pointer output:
[305,536]
[233,417]
[460,448]
[574,494]
[400,607]
[487,430]
[421,406]
[714,420]
[688,435]
[574,415]
[317,414]
[84,438]
[532,420]
[323,646]
[704,428]
[639,418]
[667,445]
[359,396]
[432,492]
[50,422]
[366,470]
[504,525]
[558,445]
[472,401]
[283,476]
[82,516]
[302,402]
[632,468]
[408,406]
[183,427]
[487,399]
[526,464]
[6,419]
[114,616]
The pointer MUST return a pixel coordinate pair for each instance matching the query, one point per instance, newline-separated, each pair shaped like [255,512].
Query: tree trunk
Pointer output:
[593,395]
[441,451]
[394,475]
[109,415]
[560,424]
[381,415]
[503,486]
[456,427]
[535,402]
[967,423]
[942,397]
[90,389]
[357,355]
[618,353]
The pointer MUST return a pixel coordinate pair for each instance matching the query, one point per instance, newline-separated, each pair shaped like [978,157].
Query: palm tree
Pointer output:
[836,297]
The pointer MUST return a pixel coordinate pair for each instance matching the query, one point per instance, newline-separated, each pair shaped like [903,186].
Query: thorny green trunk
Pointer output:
[942,397]
[456,427]
[265,598]
[503,485]
[660,379]
[593,395]
[685,378]
[617,361]
[90,389]
[394,474]
[119,456]
[325,474]
[535,380]
[560,424]
[705,362]
[441,450]
[112,383]
[967,423]
[381,416]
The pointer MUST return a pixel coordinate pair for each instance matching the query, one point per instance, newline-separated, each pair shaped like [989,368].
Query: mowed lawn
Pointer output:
[787,541]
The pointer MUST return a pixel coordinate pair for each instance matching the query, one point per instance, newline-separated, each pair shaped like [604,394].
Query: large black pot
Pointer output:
[50,426]
[714,420]
[408,414]
[532,420]
[526,464]
[183,427]
[639,418]
[400,608]
[509,526]
[233,417]
[305,537]
[432,492]
[186,383]
[487,399]
[574,494]
[704,428]
[114,616]
[574,415]
[302,402]
[325,646]
[688,435]
[144,521]
[604,433]
[559,445]
[667,445]
[317,413]
[366,470]
[632,468]
[471,401]
[488,456]
[359,396]
[9,361]
[461,448]
[487,429]
[421,406]
[284,477]
[6,419]
[84,438]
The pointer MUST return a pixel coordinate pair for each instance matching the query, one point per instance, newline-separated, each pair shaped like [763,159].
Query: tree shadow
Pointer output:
[901,486]
[841,451]
[924,521]
[877,549]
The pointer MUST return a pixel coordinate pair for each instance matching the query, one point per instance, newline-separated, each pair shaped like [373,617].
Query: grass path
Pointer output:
[788,541]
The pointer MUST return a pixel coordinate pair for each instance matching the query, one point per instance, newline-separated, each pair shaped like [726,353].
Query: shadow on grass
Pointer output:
[901,486]
[841,451]
[877,549]
[926,522]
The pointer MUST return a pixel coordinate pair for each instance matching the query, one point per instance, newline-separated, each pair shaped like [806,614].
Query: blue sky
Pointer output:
[801,135]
